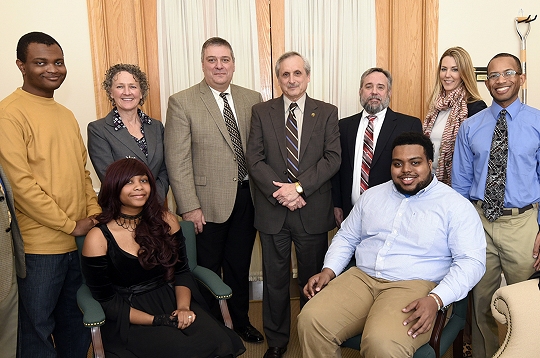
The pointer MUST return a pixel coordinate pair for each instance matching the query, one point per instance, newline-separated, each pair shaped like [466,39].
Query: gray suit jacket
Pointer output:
[320,157]
[105,145]
[11,243]
[199,152]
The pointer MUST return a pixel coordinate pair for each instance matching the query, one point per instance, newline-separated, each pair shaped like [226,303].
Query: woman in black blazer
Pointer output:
[455,97]
[127,132]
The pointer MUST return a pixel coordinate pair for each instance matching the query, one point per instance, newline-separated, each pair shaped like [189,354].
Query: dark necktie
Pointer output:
[367,154]
[232,128]
[291,135]
[496,176]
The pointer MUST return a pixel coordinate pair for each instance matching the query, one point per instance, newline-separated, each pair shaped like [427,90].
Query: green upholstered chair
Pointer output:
[442,336]
[208,278]
[94,317]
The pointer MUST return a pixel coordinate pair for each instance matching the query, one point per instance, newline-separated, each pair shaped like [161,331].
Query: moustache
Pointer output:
[379,98]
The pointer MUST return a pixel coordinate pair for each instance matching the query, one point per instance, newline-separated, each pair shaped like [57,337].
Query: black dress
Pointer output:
[119,282]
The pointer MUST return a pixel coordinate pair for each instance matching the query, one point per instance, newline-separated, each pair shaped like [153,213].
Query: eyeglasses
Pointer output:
[495,76]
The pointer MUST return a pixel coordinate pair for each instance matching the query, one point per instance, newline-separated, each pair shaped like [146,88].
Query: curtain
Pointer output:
[184,25]
[338,38]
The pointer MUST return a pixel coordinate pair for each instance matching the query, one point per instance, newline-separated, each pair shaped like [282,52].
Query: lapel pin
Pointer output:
[312,114]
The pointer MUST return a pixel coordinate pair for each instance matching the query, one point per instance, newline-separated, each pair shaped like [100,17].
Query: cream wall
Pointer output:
[67,22]
[485,28]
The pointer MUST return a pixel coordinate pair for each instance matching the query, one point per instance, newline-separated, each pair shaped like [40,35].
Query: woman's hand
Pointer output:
[185,317]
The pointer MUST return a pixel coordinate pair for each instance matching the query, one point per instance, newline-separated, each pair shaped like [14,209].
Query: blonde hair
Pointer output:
[466,72]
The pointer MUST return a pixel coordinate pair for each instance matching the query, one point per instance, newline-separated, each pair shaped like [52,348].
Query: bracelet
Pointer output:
[436,300]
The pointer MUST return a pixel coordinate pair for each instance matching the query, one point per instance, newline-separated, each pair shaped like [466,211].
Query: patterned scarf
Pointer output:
[457,102]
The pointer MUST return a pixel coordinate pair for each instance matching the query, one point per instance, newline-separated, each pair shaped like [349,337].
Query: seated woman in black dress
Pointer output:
[136,266]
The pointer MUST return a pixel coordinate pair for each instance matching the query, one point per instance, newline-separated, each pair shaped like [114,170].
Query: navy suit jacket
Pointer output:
[394,124]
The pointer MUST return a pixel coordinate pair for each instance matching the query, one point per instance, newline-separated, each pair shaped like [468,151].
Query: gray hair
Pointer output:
[377,69]
[307,66]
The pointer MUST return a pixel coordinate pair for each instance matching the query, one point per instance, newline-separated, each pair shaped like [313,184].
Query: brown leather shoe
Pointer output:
[275,352]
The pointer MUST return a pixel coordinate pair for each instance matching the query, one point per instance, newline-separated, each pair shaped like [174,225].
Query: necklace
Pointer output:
[128,222]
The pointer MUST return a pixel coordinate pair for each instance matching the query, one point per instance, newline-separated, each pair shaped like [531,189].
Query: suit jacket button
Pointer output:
[1,199]
[285,172]
[8,229]
[234,179]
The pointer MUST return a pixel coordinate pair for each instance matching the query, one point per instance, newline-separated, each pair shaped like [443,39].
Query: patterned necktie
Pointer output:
[496,177]
[291,136]
[235,137]
[367,154]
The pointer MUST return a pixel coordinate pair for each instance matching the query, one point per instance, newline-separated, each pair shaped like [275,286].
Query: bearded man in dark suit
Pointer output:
[375,92]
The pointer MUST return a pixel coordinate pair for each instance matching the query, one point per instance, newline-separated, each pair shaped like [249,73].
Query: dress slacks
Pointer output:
[355,303]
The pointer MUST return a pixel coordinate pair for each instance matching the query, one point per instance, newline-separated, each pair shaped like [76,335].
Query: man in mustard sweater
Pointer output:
[43,155]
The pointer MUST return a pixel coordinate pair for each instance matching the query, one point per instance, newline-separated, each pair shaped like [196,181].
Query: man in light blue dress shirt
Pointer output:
[512,238]
[418,246]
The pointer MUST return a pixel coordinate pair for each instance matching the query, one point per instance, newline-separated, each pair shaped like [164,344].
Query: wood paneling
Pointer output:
[265,47]
[407,33]
[277,25]
[124,31]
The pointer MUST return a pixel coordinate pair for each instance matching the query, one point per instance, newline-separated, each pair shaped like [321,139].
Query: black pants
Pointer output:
[226,248]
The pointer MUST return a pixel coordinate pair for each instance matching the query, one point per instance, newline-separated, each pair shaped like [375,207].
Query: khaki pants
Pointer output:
[510,241]
[9,320]
[354,303]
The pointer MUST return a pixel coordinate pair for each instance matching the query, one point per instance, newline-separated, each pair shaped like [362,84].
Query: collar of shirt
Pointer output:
[118,124]
[301,105]
[377,124]
[221,103]
[421,193]
[513,109]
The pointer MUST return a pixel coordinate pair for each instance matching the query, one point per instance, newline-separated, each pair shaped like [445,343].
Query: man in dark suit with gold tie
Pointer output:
[11,262]
[293,151]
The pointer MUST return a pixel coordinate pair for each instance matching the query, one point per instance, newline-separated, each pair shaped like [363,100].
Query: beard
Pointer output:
[421,185]
[372,109]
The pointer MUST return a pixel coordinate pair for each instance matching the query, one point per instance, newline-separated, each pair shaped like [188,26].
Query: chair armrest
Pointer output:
[518,307]
[213,282]
[91,309]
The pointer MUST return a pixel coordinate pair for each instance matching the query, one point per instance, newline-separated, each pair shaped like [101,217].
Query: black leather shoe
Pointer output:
[250,334]
[275,352]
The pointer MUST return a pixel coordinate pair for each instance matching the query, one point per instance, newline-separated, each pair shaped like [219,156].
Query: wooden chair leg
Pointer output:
[457,346]
[97,344]
[225,312]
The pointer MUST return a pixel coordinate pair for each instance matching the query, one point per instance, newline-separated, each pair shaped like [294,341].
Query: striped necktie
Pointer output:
[232,128]
[367,154]
[291,135]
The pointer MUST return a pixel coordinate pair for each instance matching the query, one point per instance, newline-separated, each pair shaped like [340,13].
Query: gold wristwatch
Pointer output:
[299,188]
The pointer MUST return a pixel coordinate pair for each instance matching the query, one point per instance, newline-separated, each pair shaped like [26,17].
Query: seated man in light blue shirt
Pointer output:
[418,245]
